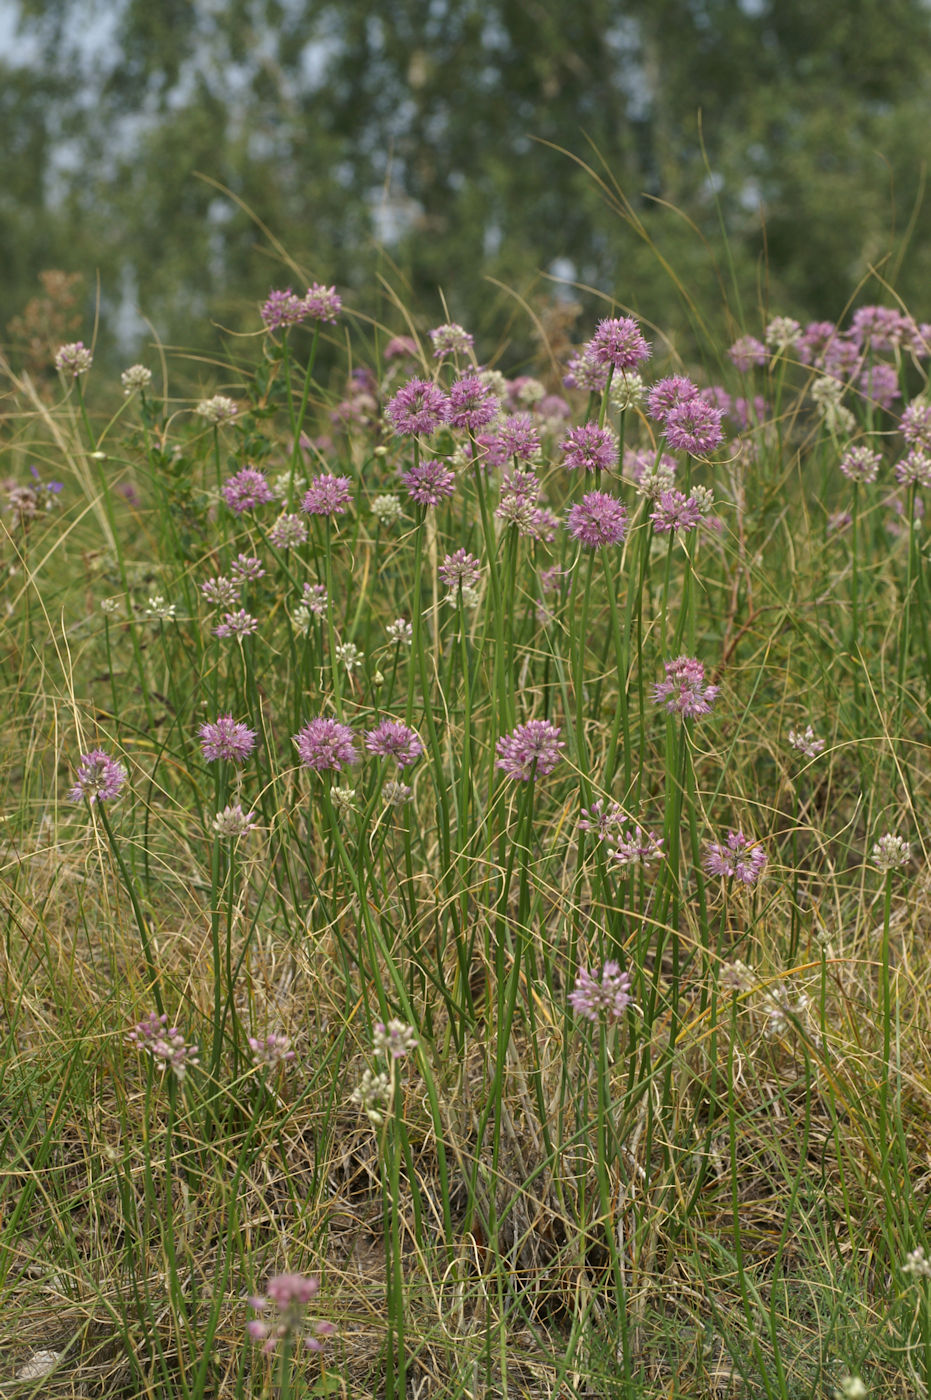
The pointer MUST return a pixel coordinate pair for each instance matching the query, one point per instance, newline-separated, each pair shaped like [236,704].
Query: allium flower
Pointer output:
[327,495]
[271,1051]
[460,570]
[99,778]
[226,740]
[841,358]
[916,424]
[233,822]
[391,739]
[322,303]
[641,463]
[815,339]
[245,568]
[590,449]
[600,819]
[583,371]
[617,341]
[418,407]
[135,378]
[220,592]
[879,327]
[693,426]
[891,852]
[783,332]
[450,339]
[880,383]
[387,510]
[806,741]
[530,751]
[394,1040]
[471,404]
[718,397]
[737,859]
[158,609]
[429,482]
[606,998]
[401,347]
[395,793]
[736,976]
[236,624]
[349,655]
[915,469]
[371,1094]
[517,436]
[218,409]
[747,352]
[917,1264]
[666,393]
[314,598]
[73,359]
[343,799]
[524,391]
[675,512]
[245,490]
[598,519]
[164,1043]
[283,309]
[290,1294]
[400,632]
[325,744]
[860,463]
[635,847]
[627,391]
[747,411]
[684,691]
[288,532]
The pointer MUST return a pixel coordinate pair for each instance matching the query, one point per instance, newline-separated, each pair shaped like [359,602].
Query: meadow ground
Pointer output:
[464,867]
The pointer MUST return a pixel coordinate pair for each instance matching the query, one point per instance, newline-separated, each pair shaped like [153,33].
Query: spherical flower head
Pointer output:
[283,309]
[391,739]
[396,794]
[349,655]
[666,393]
[227,740]
[326,745]
[693,426]
[165,1044]
[530,751]
[915,468]
[314,598]
[806,741]
[288,532]
[841,358]
[916,424]
[782,333]
[220,592]
[245,490]
[419,406]
[450,339]
[400,632]
[290,1294]
[746,352]
[134,379]
[218,409]
[524,391]
[684,692]
[518,436]
[99,778]
[236,624]
[586,373]
[598,519]
[387,510]
[675,513]
[735,859]
[233,822]
[590,448]
[815,339]
[627,391]
[860,463]
[429,482]
[74,359]
[394,1040]
[879,327]
[272,1050]
[601,998]
[601,820]
[917,1264]
[460,570]
[880,383]
[635,847]
[327,495]
[471,404]
[618,342]
[322,303]
[401,347]
[891,852]
[736,976]
[641,463]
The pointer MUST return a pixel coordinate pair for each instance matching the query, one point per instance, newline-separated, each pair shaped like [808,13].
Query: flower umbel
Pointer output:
[736,859]
[225,739]
[684,691]
[290,1295]
[324,744]
[99,778]
[606,998]
[164,1043]
[530,751]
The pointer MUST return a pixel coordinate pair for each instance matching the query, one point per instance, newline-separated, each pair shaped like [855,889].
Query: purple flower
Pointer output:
[642,461]
[327,495]
[747,352]
[288,532]
[460,570]
[737,859]
[530,751]
[635,847]
[916,423]
[860,463]
[667,393]
[245,568]
[880,383]
[718,397]
[598,519]
[816,337]
[391,739]
[675,512]
[450,339]
[518,437]
[227,739]
[879,327]
[590,448]
[430,482]
[585,372]
[322,303]
[606,998]
[841,358]
[325,744]
[401,347]
[99,778]
[524,485]
[283,309]
[236,624]
[601,820]
[471,404]
[684,692]
[693,426]
[274,1050]
[418,407]
[290,1294]
[245,490]
[752,410]
[164,1043]
[617,341]
[915,468]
